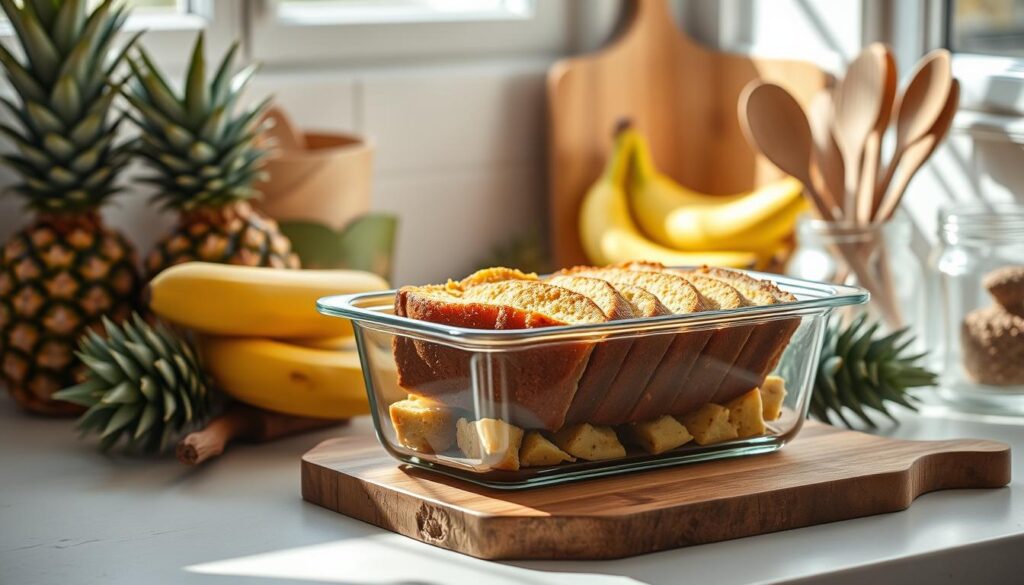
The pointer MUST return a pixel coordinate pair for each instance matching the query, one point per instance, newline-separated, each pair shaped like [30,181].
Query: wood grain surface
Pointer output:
[825,474]
[683,98]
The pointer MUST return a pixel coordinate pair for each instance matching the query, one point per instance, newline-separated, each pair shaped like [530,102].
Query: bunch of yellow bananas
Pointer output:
[261,337]
[633,212]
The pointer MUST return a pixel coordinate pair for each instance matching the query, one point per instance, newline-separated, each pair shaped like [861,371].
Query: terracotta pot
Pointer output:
[328,182]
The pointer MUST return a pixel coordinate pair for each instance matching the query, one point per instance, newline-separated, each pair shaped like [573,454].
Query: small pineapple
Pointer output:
[858,370]
[205,161]
[64,271]
[145,386]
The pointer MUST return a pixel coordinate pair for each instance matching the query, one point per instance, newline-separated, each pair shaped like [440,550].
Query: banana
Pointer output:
[287,378]
[255,302]
[680,218]
[607,231]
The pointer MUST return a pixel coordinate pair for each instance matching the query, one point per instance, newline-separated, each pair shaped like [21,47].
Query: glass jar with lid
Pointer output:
[981,348]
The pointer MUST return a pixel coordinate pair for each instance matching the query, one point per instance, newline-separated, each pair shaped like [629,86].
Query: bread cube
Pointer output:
[589,442]
[538,451]
[658,435]
[493,442]
[746,414]
[709,424]
[422,425]
[773,392]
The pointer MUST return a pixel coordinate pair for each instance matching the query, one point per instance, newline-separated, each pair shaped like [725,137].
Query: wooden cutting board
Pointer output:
[824,475]
[681,95]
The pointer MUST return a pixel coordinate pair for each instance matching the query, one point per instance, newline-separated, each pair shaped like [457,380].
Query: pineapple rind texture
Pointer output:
[58,278]
[235,234]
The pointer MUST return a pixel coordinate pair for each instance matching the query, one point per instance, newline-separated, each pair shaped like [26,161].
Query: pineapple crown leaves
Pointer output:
[61,127]
[203,154]
[860,371]
[144,385]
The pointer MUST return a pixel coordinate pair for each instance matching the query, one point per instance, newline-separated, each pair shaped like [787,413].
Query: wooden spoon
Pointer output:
[773,120]
[866,194]
[858,101]
[922,104]
[917,153]
[827,156]
[283,132]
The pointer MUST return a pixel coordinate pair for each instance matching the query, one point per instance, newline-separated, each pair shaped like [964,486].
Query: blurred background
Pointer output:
[451,92]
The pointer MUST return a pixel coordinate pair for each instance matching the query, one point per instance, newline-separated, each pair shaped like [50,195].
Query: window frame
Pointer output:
[989,83]
[169,37]
[542,29]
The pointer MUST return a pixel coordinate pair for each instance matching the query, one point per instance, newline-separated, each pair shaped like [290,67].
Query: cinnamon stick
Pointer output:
[242,422]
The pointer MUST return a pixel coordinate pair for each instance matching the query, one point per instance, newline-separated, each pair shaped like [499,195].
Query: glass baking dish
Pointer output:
[500,408]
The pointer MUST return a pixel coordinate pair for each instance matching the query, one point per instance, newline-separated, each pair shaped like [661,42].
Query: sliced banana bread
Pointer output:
[608,357]
[536,384]
[653,377]
[764,347]
[717,358]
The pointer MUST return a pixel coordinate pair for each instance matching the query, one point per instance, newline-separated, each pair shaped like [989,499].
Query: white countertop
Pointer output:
[70,515]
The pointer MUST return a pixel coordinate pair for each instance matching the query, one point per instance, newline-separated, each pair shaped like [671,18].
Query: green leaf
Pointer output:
[123,393]
[147,420]
[195,85]
[43,120]
[219,86]
[41,52]
[46,10]
[160,93]
[22,81]
[87,393]
[61,148]
[66,100]
[69,23]
[148,388]
[367,243]
[122,418]
[86,131]
[166,371]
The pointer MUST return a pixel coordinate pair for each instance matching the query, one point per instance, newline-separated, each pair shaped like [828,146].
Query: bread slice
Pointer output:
[437,371]
[718,356]
[536,384]
[634,370]
[766,342]
[655,376]
[608,356]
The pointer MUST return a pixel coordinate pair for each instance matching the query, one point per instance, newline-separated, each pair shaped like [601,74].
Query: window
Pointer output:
[375,31]
[365,11]
[992,27]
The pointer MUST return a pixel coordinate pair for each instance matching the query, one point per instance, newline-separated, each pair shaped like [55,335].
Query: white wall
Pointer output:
[461,145]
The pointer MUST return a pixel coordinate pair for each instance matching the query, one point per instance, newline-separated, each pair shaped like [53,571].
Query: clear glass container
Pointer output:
[877,257]
[979,375]
[550,380]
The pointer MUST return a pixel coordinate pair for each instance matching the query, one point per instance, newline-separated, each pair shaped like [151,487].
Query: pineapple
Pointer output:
[205,161]
[64,271]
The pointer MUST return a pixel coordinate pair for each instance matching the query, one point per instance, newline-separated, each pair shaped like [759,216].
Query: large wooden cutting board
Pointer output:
[825,474]
[681,95]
